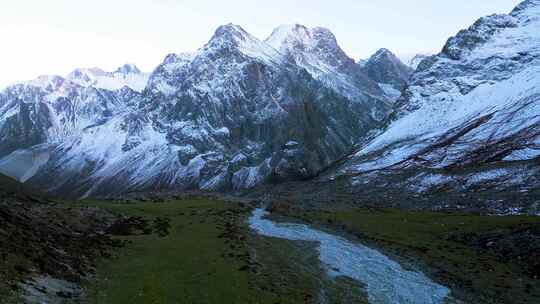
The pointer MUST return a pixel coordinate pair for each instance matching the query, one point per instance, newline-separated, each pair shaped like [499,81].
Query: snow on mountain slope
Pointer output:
[474,105]
[387,70]
[44,112]
[234,36]
[385,67]
[125,149]
[82,92]
[128,75]
[318,51]
[167,77]
[315,49]
[162,80]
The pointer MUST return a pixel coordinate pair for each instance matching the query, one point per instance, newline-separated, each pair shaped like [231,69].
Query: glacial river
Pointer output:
[386,281]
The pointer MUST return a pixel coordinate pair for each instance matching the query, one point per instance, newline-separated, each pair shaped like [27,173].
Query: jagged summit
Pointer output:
[525,8]
[174,57]
[128,68]
[386,68]
[491,30]
[317,51]
[297,36]
[230,39]
[231,30]
[294,32]
[479,33]
[382,53]
[127,75]
[294,39]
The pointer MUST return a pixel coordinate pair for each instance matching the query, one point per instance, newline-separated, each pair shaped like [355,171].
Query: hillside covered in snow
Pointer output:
[468,119]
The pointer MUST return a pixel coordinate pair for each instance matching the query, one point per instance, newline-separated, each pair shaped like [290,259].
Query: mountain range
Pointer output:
[240,112]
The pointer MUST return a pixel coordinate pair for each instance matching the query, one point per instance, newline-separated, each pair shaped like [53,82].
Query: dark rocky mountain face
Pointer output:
[128,69]
[265,112]
[385,68]
[26,128]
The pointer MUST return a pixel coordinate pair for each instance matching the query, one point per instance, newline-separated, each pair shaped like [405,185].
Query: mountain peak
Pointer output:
[86,74]
[297,36]
[127,75]
[386,57]
[128,68]
[232,37]
[386,68]
[296,32]
[231,32]
[384,54]
[47,82]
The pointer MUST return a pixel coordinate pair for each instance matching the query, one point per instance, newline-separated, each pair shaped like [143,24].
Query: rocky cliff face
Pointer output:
[469,117]
[234,114]
[385,68]
[390,74]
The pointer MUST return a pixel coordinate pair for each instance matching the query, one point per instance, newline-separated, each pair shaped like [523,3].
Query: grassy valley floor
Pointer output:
[201,251]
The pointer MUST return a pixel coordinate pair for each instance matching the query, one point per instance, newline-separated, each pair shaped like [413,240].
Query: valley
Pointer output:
[206,244]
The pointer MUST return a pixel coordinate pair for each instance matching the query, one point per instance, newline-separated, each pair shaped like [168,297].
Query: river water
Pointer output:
[387,282]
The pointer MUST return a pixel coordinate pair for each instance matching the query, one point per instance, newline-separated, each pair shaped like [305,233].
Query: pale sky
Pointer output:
[55,36]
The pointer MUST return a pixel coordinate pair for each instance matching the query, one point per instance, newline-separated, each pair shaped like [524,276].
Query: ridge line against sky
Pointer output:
[57,36]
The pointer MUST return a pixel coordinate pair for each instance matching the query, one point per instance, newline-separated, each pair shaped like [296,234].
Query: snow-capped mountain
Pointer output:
[387,70]
[469,116]
[50,109]
[233,114]
[241,111]
[385,67]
